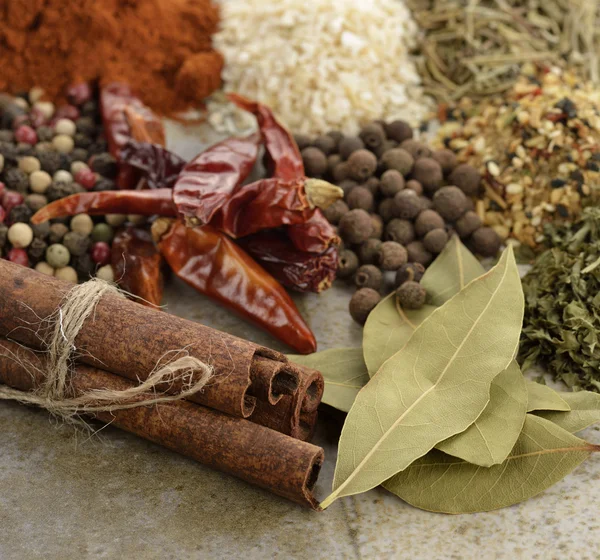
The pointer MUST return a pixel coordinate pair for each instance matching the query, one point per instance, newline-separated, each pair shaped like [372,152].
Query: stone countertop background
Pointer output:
[66,496]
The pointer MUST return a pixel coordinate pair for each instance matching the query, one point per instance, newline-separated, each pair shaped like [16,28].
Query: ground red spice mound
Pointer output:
[162,48]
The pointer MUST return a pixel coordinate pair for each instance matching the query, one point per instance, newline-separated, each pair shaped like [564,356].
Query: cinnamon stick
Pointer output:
[129,339]
[289,414]
[281,464]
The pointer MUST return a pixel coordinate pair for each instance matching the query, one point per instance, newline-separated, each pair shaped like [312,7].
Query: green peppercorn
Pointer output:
[57,255]
[37,250]
[76,243]
[368,276]
[103,232]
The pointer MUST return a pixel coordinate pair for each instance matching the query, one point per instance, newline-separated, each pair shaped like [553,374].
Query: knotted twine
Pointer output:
[54,392]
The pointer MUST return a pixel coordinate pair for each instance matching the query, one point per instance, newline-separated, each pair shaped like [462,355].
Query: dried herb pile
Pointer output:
[448,423]
[562,304]
[477,47]
[537,148]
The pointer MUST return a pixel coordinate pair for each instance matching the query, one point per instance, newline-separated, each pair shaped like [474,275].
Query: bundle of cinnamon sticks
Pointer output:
[252,419]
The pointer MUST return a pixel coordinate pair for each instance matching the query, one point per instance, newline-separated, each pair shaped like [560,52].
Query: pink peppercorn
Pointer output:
[18,256]
[86,178]
[2,189]
[66,112]
[37,118]
[100,253]
[10,199]
[79,93]
[26,134]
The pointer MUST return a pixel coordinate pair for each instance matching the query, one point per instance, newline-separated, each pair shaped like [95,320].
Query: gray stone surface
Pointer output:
[113,495]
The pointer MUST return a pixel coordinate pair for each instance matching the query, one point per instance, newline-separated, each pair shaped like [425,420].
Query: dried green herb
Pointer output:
[562,304]
[436,386]
[344,371]
[542,397]
[585,411]
[544,454]
[389,327]
[490,439]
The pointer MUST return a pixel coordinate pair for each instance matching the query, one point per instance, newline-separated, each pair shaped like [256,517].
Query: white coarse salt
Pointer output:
[323,65]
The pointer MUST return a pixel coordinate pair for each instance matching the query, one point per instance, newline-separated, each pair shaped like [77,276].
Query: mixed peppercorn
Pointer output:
[48,153]
[402,203]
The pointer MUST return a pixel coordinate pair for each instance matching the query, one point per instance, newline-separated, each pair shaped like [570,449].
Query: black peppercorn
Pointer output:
[411,295]
[400,231]
[41,230]
[362,303]
[76,243]
[37,250]
[347,263]
[409,272]
[20,213]
[49,161]
[58,190]
[84,266]
[368,276]
[79,154]
[45,133]
[98,147]
[368,252]
[6,136]
[86,125]
[392,255]
[82,141]
[3,235]
[16,180]
[104,185]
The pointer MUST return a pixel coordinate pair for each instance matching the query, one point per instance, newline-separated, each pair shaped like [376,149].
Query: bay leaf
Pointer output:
[388,329]
[490,439]
[344,371]
[436,386]
[450,272]
[585,411]
[542,397]
[544,454]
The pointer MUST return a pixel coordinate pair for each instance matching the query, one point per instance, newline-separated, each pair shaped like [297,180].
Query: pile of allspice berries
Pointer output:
[402,203]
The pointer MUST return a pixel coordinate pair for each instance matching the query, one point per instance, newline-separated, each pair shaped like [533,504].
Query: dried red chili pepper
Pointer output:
[124,116]
[157,165]
[138,265]
[213,264]
[207,181]
[147,203]
[299,270]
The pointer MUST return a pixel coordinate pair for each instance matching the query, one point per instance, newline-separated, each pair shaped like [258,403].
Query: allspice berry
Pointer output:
[372,183]
[332,161]
[435,240]
[428,220]
[347,263]
[340,172]
[362,303]
[429,173]
[372,135]
[486,242]
[361,165]
[407,204]
[399,131]
[415,186]
[392,182]
[466,178]
[355,226]
[349,145]
[467,224]
[418,253]
[411,295]
[368,252]
[409,272]
[450,202]
[315,162]
[368,276]
[446,158]
[392,255]
[326,144]
[347,185]
[302,141]
[400,231]
[360,197]
[377,221]
[387,209]
[416,149]
[398,159]
[335,211]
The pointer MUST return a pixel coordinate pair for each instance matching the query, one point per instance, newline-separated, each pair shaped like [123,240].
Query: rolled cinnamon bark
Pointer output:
[129,339]
[281,464]
[289,414]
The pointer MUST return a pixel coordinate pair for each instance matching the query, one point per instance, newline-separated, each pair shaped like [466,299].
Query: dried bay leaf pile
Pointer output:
[439,412]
